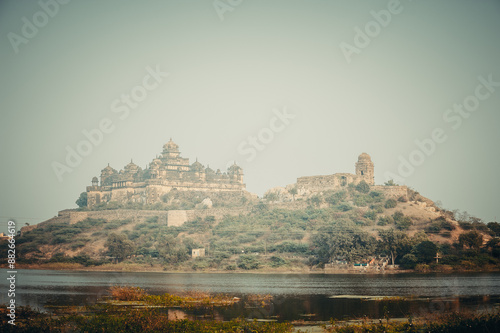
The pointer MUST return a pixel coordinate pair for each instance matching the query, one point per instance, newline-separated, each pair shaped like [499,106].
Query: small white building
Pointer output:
[195,253]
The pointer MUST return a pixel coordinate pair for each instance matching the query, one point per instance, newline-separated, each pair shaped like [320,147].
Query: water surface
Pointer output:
[296,296]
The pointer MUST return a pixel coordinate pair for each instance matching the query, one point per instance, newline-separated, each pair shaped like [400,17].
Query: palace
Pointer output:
[165,173]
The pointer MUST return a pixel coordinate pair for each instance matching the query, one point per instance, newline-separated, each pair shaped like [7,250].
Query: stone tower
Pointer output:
[365,168]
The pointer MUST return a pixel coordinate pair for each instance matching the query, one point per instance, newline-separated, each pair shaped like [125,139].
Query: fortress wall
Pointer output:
[153,192]
[321,183]
[291,205]
[218,213]
[170,218]
[118,214]
[393,192]
[176,218]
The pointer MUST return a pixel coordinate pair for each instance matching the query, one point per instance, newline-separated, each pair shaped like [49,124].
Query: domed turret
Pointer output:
[235,173]
[170,145]
[197,167]
[364,157]
[155,164]
[170,150]
[131,167]
[234,169]
[365,168]
[209,170]
[106,175]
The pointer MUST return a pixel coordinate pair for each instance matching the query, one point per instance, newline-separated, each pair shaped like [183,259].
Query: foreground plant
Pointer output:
[448,323]
[131,320]
[188,300]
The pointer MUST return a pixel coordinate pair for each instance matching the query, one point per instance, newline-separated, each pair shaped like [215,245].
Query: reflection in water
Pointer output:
[303,296]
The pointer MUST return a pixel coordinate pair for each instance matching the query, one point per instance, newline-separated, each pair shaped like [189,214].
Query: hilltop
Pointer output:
[174,215]
[332,229]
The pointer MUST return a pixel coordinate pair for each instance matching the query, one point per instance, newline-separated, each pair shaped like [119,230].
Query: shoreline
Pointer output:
[158,269]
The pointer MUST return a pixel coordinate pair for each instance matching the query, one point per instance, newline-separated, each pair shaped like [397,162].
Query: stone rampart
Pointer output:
[394,192]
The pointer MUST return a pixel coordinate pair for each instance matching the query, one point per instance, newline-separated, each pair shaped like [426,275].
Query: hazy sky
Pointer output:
[286,88]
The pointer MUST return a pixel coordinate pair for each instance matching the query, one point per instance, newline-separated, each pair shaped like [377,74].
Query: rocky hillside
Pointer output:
[277,232]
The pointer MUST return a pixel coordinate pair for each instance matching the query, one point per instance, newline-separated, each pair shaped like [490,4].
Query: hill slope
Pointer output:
[324,229]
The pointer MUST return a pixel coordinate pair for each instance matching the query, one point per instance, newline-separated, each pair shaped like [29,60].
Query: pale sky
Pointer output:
[345,77]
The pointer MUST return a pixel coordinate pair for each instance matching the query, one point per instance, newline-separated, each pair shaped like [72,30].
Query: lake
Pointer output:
[295,296]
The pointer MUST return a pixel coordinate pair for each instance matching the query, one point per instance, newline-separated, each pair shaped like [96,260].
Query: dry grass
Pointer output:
[127,293]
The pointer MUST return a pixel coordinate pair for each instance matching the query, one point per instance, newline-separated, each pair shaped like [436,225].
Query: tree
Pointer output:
[172,250]
[343,241]
[82,200]
[293,191]
[390,182]
[495,227]
[409,261]
[471,239]
[426,251]
[401,221]
[394,243]
[363,187]
[119,246]
[493,247]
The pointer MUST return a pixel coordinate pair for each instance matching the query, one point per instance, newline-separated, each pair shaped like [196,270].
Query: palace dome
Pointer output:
[197,167]
[131,167]
[108,169]
[170,145]
[364,157]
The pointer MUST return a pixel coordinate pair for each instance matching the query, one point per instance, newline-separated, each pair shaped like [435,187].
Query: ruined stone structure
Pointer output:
[364,170]
[166,172]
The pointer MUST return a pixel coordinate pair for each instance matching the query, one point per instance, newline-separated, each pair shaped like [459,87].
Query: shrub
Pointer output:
[361,200]
[370,215]
[404,224]
[385,220]
[59,240]
[390,203]
[335,198]
[422,268]
[78,244]
[363,187]
[277,261]
[200,264]
[127,293]
[315,200]
[465,225]
[446,234]
[248,262]
[344,207]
